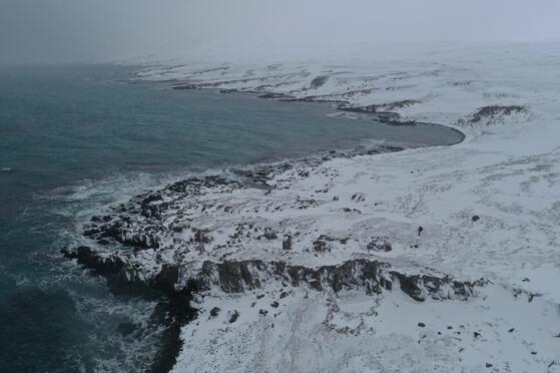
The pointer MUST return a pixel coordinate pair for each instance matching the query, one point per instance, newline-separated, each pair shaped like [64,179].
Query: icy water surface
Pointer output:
[75,139]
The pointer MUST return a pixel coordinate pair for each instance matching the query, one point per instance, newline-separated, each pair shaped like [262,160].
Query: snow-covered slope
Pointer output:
[489,209]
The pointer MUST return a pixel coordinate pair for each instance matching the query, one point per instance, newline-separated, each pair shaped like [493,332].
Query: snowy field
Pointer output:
[489,208]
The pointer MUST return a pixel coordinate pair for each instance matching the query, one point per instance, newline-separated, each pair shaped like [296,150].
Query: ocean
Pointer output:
[77,139]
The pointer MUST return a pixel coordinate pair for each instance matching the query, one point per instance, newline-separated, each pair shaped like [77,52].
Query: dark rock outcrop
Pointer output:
[103,265]
[372,276]
[379,244]
[233,316]
[318,81]
[494,112]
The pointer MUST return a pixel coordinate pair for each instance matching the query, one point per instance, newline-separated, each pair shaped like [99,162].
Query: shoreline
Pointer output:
[358,208]
[177,302]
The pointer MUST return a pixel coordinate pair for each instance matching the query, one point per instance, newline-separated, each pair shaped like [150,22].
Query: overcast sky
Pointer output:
[52,31]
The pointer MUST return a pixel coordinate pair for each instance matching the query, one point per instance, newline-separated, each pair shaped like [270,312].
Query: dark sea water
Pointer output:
[76,139]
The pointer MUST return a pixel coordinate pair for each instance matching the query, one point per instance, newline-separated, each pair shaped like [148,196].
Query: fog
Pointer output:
[62,31]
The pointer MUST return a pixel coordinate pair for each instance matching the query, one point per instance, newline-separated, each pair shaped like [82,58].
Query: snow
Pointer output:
[506,172]
[351,332]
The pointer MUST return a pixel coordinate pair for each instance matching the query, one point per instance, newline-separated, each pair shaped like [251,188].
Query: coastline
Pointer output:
[505,246]
[175,304]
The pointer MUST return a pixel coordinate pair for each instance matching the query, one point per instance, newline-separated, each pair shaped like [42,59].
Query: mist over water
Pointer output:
[62,31]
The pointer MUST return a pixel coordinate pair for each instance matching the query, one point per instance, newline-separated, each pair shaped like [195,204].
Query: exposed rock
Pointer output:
[390,106]
[166,279]
[397,122]
[235,277]
[372,276]
[322,245]
[379,244]
[385,108]
[272,95]
[491,113]
[358,197]
[174,311]
[214,311]
[103,265]
[318,81]
[269,234]
[233,316]
[201,236]
[419,287]
[287,243]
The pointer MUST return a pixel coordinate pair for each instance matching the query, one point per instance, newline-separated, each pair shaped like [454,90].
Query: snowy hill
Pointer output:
[321,266]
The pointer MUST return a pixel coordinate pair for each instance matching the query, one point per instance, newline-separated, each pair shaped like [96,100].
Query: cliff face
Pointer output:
[231,277]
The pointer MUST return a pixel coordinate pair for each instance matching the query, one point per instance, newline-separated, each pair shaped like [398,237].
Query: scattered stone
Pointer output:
[379,244]
[421,324]
[511,330]
[269,234]
[263,312]
[214,311]
[283,295]
[274,304]
[287,243]
[321,244]
[488,365]
[420,229]
[260,296]
[358,197]
[201,236]
[476,334]
[475,218]
[233,316]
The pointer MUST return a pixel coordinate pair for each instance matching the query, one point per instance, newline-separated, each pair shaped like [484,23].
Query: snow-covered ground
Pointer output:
[489,208]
